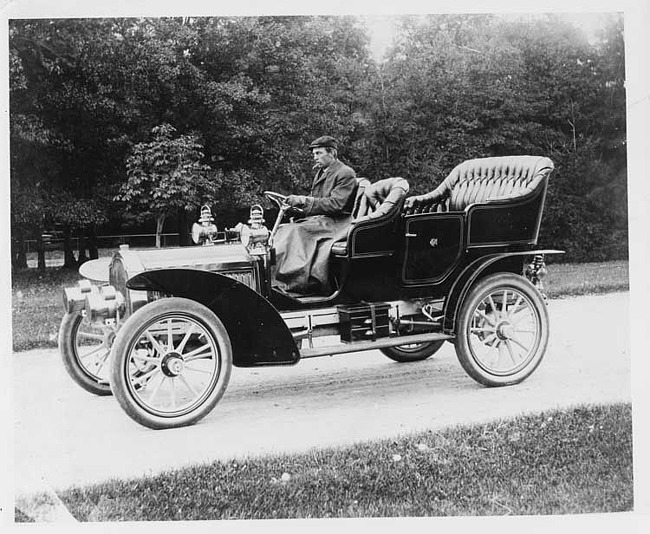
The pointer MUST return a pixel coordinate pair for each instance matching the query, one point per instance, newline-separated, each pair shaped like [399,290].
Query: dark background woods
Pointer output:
[120,122]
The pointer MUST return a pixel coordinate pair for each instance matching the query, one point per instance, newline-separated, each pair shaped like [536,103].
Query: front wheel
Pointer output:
[413,352]
[502,331]
[171,363]
[85,348]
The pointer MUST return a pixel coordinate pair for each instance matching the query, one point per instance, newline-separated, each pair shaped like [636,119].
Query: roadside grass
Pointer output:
[557,462]
[571,279]
[37,308]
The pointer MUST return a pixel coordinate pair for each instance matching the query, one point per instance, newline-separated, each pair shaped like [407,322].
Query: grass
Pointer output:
[558,462]
[37,307]
[571,279]
[576,461]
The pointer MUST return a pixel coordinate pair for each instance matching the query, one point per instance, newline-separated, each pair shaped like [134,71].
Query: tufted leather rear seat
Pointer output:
[483,180]
[377,201]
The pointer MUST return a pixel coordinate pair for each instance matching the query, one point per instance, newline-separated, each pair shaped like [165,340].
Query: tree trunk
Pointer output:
[83,258]
[183,233]
[19,252]
[40,250]
[69,260]
[92,243]
[160,221]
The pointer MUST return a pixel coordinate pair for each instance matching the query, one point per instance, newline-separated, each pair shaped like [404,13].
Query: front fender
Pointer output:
[482,266]
[257,332]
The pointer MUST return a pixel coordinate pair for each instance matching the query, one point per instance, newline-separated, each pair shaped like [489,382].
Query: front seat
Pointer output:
[380,202]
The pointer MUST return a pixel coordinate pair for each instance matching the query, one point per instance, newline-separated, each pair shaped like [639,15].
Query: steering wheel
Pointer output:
[281,201]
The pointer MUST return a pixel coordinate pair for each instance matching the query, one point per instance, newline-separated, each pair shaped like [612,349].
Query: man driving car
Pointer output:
[303,246]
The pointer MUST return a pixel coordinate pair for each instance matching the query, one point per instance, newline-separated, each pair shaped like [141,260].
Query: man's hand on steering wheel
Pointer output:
[296,201]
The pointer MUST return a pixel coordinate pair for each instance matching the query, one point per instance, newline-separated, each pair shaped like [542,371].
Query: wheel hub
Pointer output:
[505,330]
[109,337]
[172,364]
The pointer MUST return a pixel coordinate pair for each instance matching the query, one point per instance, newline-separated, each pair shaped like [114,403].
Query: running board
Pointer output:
[380,343]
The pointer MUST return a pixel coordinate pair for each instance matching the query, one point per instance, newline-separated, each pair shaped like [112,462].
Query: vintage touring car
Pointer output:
[163,328]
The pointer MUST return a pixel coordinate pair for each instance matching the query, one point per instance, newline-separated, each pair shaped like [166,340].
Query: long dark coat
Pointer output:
[303,246]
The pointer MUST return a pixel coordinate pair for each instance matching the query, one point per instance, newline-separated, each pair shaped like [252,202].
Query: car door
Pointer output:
[434,243]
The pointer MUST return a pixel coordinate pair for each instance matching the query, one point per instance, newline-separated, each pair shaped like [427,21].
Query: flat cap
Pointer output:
[325,141]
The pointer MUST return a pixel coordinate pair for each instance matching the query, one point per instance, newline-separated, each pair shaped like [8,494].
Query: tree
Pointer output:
[271,85]
[57,150]
[165,175]
[456,87]
[255,90]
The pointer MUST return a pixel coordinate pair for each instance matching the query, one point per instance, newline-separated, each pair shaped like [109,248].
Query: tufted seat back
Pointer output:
[377,202]
[482,180]
[381,198]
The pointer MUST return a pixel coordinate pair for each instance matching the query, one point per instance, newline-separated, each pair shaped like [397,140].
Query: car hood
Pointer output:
[210,258]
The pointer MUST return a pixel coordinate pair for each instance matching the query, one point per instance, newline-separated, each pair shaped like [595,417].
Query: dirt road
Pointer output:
[65,436]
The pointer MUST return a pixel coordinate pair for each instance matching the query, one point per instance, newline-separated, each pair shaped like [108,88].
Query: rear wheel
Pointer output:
[413,352]
[171,363]
[85,349]
[502,331]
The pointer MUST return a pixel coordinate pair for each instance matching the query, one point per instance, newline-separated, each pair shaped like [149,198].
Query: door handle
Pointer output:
[411,235]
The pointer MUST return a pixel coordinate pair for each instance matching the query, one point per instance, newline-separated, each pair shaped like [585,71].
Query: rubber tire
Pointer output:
[489,284]
[68,350]
[404,356]
[132,329]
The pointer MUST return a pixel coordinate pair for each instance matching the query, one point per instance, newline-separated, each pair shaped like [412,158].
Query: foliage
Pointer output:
[166,175]
[457,87]
[555,462]
[255,90]
[275,84]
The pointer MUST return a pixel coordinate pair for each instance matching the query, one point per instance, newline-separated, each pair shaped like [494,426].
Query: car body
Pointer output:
[459,264]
